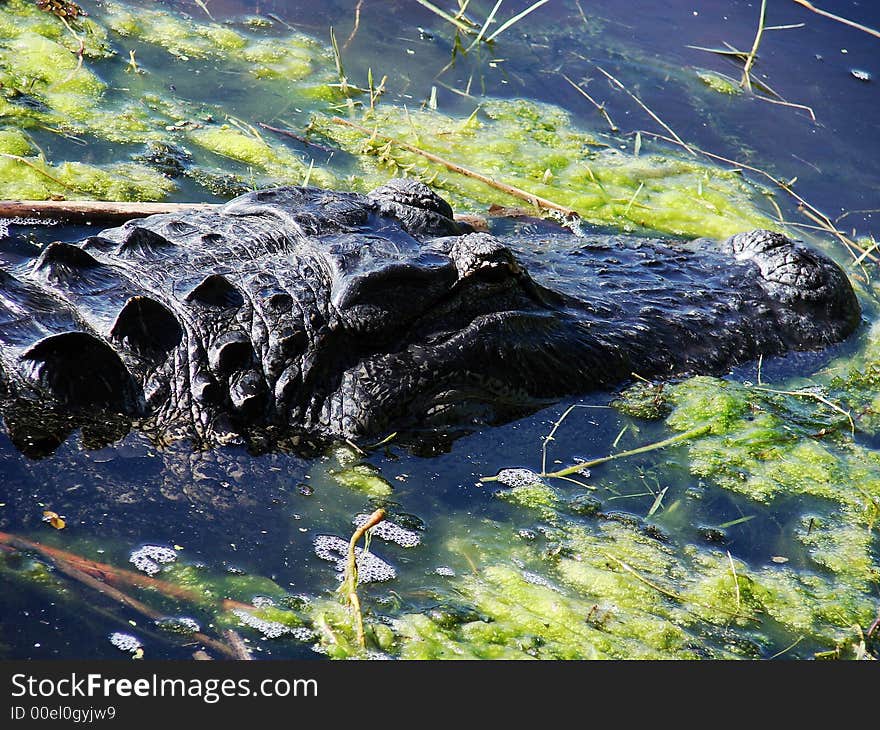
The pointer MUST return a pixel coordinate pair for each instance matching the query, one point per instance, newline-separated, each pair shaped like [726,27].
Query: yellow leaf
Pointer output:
[53,519]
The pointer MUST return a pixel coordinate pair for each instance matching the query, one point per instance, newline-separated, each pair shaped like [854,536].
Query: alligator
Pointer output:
[297,311]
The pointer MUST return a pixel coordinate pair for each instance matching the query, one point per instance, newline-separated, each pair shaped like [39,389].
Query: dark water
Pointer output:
[236,512]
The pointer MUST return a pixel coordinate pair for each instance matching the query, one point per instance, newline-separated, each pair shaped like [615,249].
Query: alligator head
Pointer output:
[342,315]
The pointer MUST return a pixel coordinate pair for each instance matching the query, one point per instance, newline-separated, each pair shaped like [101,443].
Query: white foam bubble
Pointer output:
[125,642]
[371,568]
[18,221]
[179,625]
[150,558]
[390,532]
[518,477]
[273,629]
[444,570]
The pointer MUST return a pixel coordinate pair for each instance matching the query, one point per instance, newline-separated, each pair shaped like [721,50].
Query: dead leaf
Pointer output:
[54,519]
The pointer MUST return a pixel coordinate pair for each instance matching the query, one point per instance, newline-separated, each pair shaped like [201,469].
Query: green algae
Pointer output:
[107,97]
[533,146]
[719,83]
[536,147]
[24,173]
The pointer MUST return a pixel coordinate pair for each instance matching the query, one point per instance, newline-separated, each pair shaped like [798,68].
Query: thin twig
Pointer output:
[668,593]
[648,110]
[832,16]
[357,24]
[36,168]
[600,107]
[535,200]
[297,137]
[814,396]
[824,220]
[678,438]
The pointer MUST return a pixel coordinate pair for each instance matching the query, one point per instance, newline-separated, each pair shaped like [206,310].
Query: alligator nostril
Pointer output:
[147,328]
[248,393]
[231,351]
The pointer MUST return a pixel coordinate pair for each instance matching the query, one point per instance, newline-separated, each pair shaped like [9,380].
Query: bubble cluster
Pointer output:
[518,477]
[178,625]
[390,531]
[371,569]
[125,642]
[273,629]
[445,570]
[18,221]
[262,602]
[150,558]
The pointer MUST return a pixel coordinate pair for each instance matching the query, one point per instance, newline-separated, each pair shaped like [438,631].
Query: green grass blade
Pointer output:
[515,18]
[446,16]
[485,27]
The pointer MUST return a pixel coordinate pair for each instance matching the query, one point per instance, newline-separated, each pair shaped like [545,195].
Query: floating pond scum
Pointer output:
[756,538]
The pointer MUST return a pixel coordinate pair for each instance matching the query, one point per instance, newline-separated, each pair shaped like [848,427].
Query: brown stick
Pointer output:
[91,210]
[71,569]
[109,574]
[81,211]
[535,200]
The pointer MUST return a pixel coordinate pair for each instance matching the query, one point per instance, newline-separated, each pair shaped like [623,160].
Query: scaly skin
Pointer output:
[297,310]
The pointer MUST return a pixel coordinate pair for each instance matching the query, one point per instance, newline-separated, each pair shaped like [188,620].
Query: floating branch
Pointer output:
[86,210]
[80,569]
[76,211]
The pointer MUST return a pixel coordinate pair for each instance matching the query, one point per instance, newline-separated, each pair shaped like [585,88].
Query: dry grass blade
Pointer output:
[35,168]
[735,581]
[515,19]
[678,438]
[357,24]
[600,107]
[750,58]
[645,107]
[825,14]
